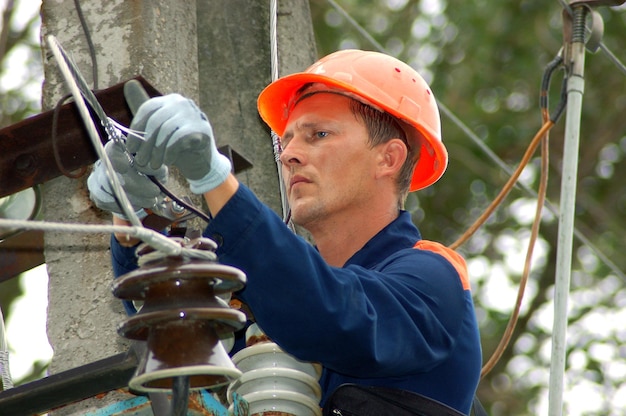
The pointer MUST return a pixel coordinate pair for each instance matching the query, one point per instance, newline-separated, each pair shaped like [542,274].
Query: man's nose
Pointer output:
[292,153]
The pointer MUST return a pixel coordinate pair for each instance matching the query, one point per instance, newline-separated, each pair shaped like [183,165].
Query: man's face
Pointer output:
[328,165]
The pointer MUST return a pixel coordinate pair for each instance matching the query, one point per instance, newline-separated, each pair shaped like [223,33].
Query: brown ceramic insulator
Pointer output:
[172,277]
[171,354]
[181,318]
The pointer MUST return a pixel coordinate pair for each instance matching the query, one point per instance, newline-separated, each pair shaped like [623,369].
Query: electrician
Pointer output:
[371,301]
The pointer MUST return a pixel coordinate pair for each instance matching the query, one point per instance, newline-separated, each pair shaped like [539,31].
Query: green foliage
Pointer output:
[20,67]
[20,82]
[485,62]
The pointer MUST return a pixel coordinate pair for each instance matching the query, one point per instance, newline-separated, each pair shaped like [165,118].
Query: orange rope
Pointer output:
[543,184]
[507,187]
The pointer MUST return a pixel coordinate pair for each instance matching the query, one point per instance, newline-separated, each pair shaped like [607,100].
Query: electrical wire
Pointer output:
[63,65]
[505,189]
[357,26]
[92,50]
[167,192]
[276,145]
[179,201]
[94,65]
[548,123]
[543,186]
[551,207]
[513,319]
[154,239]
[150,237]
[611,56]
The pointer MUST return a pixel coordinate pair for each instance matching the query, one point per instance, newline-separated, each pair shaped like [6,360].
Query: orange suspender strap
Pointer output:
[452,256]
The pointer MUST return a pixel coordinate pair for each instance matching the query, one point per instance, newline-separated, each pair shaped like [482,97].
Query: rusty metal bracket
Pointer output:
[26,148]
[27,159]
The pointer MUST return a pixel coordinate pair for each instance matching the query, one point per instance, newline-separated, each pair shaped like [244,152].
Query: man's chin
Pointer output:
[300,212]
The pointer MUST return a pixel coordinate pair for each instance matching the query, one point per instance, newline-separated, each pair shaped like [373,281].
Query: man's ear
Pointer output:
[393,154]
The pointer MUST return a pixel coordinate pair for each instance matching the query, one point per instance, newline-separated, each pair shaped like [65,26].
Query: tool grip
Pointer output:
[135,95]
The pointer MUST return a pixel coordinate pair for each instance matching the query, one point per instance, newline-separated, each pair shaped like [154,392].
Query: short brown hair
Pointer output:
[382,127]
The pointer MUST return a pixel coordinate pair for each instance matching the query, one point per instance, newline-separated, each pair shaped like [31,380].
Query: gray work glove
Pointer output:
[141,191]
[178,134]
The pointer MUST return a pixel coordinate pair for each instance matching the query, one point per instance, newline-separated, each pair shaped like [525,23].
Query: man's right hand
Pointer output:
[177,133]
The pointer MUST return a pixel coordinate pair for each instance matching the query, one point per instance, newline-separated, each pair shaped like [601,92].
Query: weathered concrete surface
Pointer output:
[219,55]
[234,63]
[156,39]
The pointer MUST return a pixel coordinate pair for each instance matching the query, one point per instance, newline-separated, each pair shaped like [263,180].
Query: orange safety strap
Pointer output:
[452,256]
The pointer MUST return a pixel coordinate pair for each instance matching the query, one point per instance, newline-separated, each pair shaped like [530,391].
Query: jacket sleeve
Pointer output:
[401,318]
[123,259]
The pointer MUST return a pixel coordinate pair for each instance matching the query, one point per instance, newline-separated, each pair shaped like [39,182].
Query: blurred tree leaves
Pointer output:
[485,61]
[20,86]
[20,51]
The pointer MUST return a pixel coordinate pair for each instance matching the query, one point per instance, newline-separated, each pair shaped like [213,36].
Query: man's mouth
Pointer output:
[297,179]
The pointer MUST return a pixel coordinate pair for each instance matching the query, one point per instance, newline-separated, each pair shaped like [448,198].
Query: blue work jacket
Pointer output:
[396,314]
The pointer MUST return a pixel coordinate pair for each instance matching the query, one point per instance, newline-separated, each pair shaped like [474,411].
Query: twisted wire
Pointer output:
[148,236]
[276,146]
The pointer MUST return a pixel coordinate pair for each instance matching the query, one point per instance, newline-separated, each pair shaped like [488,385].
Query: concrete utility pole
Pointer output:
[234,63]
[215,52]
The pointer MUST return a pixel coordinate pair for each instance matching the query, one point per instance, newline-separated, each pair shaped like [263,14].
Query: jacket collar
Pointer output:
[401,233]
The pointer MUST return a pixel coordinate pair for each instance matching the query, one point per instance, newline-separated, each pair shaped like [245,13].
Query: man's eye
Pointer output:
[321,134]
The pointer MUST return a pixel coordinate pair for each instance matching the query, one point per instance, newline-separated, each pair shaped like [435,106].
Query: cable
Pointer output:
[57,108]
[542,135]
[190,207]
[94,65]
[543,186]
[507,187]
[545,87]
[276,145]
[152,238]
[548,122]
[92,50]
[613,58]
[179,201]
[92,133]
[357,26]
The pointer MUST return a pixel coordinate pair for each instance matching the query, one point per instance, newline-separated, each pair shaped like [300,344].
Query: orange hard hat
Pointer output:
[379,80]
